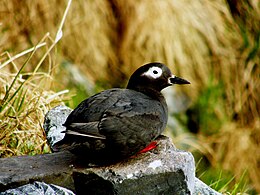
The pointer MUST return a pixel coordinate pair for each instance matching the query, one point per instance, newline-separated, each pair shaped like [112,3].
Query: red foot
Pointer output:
[151,146]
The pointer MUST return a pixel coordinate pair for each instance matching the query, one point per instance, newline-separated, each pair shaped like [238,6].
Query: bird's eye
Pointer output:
[153,72]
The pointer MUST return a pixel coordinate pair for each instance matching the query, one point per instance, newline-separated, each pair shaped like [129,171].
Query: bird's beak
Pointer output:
[177,80]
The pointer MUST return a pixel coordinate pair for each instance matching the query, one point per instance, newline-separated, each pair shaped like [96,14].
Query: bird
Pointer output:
[118,123]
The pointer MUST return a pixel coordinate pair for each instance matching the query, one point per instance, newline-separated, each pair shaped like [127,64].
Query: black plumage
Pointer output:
[117,123]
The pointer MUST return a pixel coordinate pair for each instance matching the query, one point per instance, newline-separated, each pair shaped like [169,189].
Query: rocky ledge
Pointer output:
[164,170]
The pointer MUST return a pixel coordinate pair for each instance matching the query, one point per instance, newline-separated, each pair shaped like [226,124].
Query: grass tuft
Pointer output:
[25,98]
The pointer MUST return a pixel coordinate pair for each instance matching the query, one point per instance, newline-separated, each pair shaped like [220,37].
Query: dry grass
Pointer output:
[88,34]
[25,99]
[207,42]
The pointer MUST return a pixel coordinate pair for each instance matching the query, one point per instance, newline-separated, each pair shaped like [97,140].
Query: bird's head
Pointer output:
[153,76]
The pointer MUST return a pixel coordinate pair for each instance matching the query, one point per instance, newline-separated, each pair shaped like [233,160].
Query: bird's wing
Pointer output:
[83,120]
[133,122]
[145,127]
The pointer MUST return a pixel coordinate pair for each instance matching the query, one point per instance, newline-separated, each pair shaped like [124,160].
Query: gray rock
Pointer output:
[37,188]
[53,123]
[203,189]
[51,168]
[164,170]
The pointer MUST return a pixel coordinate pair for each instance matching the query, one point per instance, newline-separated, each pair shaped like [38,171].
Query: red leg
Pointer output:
[151,146]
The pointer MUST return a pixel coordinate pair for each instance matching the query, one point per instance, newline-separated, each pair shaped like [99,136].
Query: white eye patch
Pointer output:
[153,72]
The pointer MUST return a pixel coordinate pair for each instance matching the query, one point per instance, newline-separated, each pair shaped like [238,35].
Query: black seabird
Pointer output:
[118,123]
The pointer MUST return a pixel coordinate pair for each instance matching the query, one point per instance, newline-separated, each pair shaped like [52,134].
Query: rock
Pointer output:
[164,170]
[51,168]
[202,189]
[53,123]
[37,188]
